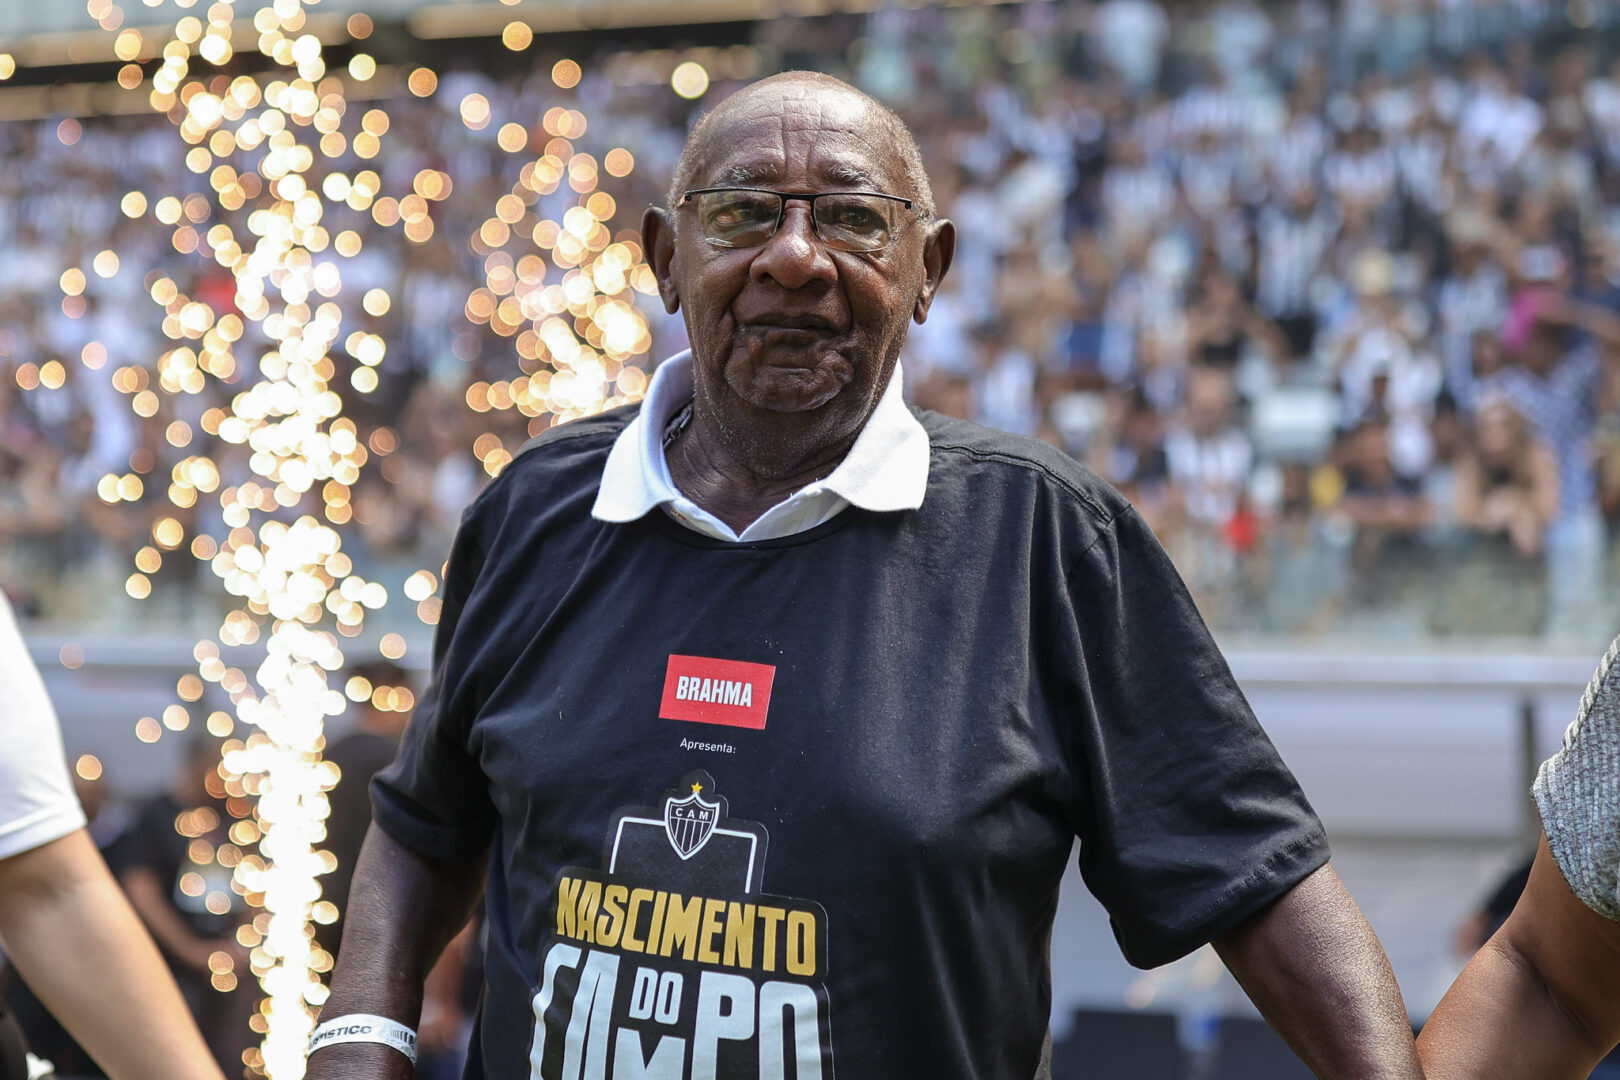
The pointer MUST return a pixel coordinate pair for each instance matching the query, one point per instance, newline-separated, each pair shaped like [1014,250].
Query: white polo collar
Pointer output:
[886,469]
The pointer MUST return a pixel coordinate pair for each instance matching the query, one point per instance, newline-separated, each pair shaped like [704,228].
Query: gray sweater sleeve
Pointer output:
[1578,791]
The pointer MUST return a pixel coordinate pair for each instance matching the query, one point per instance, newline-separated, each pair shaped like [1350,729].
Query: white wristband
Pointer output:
[363,1027]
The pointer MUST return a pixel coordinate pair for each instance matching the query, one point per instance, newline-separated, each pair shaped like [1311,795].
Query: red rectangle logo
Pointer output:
[708,691]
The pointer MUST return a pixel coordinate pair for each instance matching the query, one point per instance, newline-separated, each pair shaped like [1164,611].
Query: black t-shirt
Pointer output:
[763,809]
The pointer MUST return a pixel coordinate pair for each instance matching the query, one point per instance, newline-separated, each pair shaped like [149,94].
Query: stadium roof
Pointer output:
[64,31]
[65,62]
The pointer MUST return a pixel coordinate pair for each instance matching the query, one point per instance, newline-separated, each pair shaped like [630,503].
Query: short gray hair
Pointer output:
[911,163]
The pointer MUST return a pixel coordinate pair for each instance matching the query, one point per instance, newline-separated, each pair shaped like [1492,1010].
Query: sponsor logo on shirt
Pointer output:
[709,691]
[671,962]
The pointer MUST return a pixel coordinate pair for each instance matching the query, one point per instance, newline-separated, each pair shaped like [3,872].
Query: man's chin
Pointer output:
[787,386]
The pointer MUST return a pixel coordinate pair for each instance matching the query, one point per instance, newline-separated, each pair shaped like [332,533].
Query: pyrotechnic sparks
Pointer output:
[578,334]
[276,156]
[266,147]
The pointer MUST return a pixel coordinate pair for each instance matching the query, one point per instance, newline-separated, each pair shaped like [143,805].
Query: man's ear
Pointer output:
[938,250]
[658,241]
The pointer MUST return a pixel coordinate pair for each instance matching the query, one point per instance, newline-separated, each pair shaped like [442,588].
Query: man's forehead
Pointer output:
[768,132]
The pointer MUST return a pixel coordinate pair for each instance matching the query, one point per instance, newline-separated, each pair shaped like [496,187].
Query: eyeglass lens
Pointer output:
[846,221]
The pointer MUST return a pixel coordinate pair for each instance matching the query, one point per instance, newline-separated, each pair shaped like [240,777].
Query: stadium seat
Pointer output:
[1250,1050]
[1105,1045]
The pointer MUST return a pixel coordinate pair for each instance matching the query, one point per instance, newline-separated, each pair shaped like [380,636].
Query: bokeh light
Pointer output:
[475,111]
[517,36]
[689,79]
[562,289]
[423,82]
[566,74]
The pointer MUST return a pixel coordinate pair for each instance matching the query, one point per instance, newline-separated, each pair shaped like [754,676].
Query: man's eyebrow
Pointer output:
[842,172]
[750,175]
[747,175]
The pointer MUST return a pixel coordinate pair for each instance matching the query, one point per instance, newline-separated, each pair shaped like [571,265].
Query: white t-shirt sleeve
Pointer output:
[37,802]
[1578,792]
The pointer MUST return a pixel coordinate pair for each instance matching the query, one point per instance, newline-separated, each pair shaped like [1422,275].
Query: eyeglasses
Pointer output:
[733,217]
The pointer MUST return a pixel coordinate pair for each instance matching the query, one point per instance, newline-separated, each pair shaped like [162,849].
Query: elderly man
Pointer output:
[776,706]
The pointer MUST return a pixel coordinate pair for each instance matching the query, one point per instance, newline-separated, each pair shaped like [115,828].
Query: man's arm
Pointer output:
[75,941]
[1315,969]
[403,909]
[1541,999]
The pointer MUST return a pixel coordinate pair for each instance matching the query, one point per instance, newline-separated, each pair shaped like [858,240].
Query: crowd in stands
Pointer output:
[1330,291]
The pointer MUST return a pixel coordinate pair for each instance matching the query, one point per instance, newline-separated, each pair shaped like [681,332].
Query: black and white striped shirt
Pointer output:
[1291,250]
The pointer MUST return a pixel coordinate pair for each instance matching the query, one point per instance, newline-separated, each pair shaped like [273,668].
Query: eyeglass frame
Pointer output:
[809,197]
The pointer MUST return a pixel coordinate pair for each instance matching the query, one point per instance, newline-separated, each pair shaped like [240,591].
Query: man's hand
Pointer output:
[1540,999]
[403,909]
[1315,969]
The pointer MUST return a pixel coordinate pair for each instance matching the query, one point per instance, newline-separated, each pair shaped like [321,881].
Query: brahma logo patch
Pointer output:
[709,691]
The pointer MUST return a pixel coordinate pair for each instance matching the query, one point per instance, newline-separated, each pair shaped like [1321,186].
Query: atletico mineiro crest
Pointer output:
[689,822]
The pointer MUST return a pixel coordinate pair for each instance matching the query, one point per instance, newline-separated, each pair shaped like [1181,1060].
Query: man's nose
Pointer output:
[794,257]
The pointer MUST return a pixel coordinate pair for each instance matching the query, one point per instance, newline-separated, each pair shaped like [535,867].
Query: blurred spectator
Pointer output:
[1223,328]
[1556,384]
[1293,238]
[1209,460]
[1470,303]
[1130,36]
[1606,447]
[1384,371]
[1507,481]
[1387,509]
[174,864]
[1209,455]
[1131,456]
[1137,194]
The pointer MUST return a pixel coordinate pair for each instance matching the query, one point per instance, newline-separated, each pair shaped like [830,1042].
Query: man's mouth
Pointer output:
[815,324]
